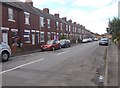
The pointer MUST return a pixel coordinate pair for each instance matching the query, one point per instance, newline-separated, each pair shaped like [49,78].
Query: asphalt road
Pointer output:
[74,66]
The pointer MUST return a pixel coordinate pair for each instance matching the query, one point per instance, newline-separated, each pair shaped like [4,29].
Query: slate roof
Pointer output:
[12,4]
[34,10]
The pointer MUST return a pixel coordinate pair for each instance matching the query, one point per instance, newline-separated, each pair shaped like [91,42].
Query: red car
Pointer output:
[51,45]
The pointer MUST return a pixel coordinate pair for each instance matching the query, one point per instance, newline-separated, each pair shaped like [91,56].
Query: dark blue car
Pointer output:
[64,43]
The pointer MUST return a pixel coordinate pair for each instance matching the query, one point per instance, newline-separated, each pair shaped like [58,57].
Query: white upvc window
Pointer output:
[48,23]
[69,28]
[79,30]
[41,21]
[27,36]
[57,25]
[41,36]
[27,18]
[10,14]
[49,35]
[66,27]
[61,26]
[75,29]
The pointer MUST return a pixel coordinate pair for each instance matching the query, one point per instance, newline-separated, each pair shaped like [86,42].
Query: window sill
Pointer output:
[11,20]
[27,24]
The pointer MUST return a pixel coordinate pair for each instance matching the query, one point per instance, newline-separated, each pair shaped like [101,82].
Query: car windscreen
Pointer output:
[50,42]
[104,39]
[62,42]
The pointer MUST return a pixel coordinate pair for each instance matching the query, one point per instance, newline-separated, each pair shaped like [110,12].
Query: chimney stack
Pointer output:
[29,2]
[46,10]
[64,18]
[74,23]
[56,15]
[70,21]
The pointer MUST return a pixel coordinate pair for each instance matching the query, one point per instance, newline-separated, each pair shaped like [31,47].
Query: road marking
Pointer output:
[21,66]
[61,53]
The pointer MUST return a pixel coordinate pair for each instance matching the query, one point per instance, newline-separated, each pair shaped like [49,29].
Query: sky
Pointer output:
[93,14]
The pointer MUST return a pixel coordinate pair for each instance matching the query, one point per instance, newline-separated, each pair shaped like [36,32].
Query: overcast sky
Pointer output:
[93,14]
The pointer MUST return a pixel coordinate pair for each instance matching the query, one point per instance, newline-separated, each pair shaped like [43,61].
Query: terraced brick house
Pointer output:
[30,27]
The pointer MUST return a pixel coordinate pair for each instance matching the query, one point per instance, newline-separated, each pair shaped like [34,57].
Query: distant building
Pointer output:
[119,9]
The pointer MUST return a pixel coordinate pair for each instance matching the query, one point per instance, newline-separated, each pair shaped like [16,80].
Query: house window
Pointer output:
[37,37]
[27,36]
[79,30]
[49,38]
[41,36]
[41,21]
[48,22]
[27,18]
[57,24]
[10,14]
[75,29]
[14,35]
[69,28]
[66,27]
[61,25]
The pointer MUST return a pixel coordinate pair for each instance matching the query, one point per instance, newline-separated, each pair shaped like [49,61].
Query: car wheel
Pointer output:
[53,48]
[60,47]
[5,56]
[42,50]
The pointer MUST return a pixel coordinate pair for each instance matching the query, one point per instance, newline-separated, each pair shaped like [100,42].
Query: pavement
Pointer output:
[112,64]
[33,51]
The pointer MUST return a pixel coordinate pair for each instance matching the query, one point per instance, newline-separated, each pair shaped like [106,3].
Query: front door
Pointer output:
[33,39]
[5,37]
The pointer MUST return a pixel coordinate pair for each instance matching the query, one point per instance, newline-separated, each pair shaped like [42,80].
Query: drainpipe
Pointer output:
[0,21]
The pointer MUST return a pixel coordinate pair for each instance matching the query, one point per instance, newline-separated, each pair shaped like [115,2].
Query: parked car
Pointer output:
[95,39]
[89,39]
[64,43]
[85,40]
[51,45]
[104,41]
[5,52]
[68,41]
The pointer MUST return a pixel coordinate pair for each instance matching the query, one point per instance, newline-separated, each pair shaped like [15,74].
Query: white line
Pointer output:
[21,66]
[61,53]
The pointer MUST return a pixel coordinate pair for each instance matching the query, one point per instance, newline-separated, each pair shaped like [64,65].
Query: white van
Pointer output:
[5,52]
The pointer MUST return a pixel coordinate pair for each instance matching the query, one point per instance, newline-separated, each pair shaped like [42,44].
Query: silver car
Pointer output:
[104,41]
[5,52]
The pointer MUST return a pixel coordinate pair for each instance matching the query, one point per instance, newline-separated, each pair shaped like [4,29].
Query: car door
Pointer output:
[57,44]
[54,44]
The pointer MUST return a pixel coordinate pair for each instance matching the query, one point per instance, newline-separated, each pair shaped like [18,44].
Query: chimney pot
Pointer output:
[70,21]
[64,18]
[56,15]
[29,2]
[46,10]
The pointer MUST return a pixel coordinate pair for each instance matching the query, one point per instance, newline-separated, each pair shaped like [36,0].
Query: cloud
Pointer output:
[93,3]
[96,20]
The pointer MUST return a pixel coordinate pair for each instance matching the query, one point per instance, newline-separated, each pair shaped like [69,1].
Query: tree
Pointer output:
[114,28]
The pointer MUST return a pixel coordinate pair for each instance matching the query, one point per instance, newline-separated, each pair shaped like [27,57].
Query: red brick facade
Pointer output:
[30,34]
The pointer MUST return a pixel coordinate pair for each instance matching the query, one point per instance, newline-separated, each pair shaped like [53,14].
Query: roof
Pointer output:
[34,10]
[12,4]
[26,7]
